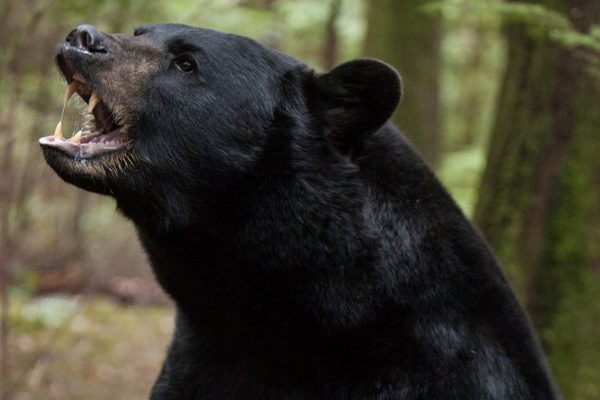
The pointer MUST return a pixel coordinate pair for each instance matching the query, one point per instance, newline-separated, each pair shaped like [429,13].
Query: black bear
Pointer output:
[310,251]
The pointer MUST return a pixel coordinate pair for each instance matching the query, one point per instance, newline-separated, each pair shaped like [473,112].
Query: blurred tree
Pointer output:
[539,203]
[29,31]
[407,35]
[330,45]
[471,58]
[12,70]
[472,53]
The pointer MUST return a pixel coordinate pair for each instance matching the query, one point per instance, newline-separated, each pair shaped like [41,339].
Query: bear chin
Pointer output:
[95,174]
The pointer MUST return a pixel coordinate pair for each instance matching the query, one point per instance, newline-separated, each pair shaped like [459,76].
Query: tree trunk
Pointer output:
[330,45]
[403,34]
[539,201]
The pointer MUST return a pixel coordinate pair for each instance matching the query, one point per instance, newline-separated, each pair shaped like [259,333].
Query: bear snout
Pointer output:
[87,38]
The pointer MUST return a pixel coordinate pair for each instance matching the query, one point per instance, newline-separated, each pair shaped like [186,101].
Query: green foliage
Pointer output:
[535,16]
[472,62]
[109,15]
[572,39]
[545,23]
[460,172]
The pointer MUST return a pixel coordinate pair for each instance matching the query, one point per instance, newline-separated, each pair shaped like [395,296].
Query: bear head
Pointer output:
[181,115]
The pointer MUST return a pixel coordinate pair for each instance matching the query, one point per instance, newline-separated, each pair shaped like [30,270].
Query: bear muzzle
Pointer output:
[104,131]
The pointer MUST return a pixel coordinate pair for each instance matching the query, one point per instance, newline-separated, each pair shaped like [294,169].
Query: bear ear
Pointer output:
[357,98]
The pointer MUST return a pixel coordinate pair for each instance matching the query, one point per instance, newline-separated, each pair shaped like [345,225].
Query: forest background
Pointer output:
[501,98]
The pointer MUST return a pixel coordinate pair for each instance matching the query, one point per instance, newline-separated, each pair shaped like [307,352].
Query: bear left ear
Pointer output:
[357,98]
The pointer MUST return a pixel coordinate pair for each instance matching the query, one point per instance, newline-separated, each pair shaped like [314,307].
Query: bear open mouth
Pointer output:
[103,133]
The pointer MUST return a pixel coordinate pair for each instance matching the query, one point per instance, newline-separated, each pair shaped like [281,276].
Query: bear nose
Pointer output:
[87,37]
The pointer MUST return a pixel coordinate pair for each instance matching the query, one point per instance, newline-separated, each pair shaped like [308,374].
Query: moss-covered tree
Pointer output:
[540,194]
[407,35]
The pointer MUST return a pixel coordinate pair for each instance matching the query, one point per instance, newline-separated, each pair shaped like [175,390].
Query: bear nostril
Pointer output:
[87,37]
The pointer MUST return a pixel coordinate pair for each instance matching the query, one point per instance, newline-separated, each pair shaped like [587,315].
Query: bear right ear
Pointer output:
[357,98]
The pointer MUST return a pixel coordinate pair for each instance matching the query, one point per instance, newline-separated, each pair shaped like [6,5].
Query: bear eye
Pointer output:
[185,63]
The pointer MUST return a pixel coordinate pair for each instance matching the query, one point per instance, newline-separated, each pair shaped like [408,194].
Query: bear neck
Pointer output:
[246,262]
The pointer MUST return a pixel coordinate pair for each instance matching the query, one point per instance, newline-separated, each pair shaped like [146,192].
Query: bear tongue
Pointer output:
[113,136]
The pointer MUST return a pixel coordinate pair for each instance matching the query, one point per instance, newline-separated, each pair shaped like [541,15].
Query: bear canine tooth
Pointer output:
[76,138]
[70,90]
[94,99]
[58,131]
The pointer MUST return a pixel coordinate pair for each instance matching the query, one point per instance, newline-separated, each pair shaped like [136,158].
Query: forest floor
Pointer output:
[85,348]
[95,348]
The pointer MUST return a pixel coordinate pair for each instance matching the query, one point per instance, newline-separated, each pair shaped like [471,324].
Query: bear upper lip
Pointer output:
[107,135]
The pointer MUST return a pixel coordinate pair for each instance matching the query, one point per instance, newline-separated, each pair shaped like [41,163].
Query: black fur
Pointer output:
[310,251]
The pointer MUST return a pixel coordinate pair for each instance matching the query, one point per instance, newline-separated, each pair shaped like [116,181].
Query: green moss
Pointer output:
[574,342]
[569,292]
[540,203]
